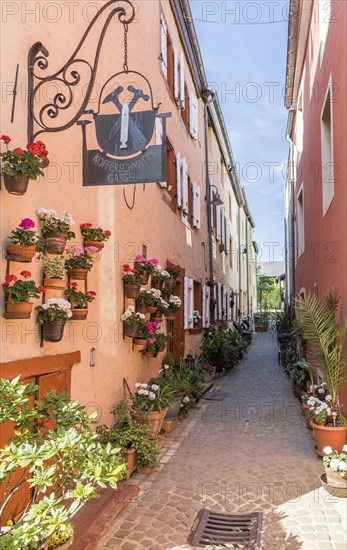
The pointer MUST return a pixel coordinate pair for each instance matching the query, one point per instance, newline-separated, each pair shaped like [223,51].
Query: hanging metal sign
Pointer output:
[126,122]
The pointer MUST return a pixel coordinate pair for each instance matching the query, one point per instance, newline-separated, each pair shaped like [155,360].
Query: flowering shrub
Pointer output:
[130,275]
[321,412]
[162,305]
[56,309]
[207,369]
[25,235]
[196,316]
[53,224]
[80,258]
[335,461]
[142,265]
[315,391]
[54,268]
[149,297]
[78,298]
[17,290]
[94,234]
[27,162]
[148,398]
[174,303]
[173,270]
[159,276]
[132,318]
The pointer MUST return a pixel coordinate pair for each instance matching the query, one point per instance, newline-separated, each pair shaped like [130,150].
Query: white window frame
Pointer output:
[179,78]
[188,303]
[206,307]
[328,187]
[300,222]
[163,46]
[196,205]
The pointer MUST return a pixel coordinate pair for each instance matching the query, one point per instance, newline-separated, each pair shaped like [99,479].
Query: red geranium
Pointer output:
[25,274]
[18,150]
[90,293]
[42,289]
[5,285]
[10,278]
[5,139]
[107,232]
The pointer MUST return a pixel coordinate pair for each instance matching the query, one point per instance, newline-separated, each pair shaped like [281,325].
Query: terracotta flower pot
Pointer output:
[152,419]
[334,479]
[132,291]
[171,282]
[329,436]
[140,308]
[140,342]
[157,317]
[144,469]
[171,316]
[159,438]
[64,546]
[132,331]
[297,390]
[79,314]
[54,284]
[19,253]
[20,310]
[130,458]
[334,490]
[175,407]
[55,243]
[148,353]
[16,185]
[53,331]
[78,274]
[210,376]
[99,245]
[152,309]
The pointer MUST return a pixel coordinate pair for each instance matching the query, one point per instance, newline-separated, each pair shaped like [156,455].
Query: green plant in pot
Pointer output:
[55,231]
[18,293]
[317,323]
[24,242]
[53,316]
[94,236]
[79,300]
[300,377]
[21,165]
[150,403]
[80,261]
[54,272]
[60,461]
[147,300]
[134,324]
[159,277]
[62,538]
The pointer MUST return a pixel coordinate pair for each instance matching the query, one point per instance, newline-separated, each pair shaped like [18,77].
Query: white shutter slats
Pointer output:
[188,303]
[181,78]
[176,75]
[193,116]
[206,306]
[227,237]
[196,206]
[219,310]
[185,202]
[222,222]
[179,180]
[163,41]
[218,224]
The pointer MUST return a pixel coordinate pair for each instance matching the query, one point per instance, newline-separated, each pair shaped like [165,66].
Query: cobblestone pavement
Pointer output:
[250,452]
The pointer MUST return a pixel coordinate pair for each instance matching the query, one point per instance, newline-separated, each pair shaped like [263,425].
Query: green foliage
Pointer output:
[168,359]
[56,309]
[269,295]
[21,291]
[299,374]
[55,446]
[222,348]
[285,320]
[317,323]
[150,397]
[21,163]
[55,267]
[63,533]
[25,237]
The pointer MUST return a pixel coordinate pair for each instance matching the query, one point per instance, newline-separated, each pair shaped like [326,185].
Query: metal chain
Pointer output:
[125,64]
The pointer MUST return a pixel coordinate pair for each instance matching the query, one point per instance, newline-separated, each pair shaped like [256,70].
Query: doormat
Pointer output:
[214,395]
[213,528]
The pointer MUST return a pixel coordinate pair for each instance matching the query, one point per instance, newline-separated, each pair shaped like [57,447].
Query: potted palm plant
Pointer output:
[318,324]
[133,322]
[79,301]
[80,261]
[94,236]
[52,316]
[25,242]
[56,231]
[19,166]
[54,271]
[18,293]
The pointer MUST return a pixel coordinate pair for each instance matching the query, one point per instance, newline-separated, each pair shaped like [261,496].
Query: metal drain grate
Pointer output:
[212,528]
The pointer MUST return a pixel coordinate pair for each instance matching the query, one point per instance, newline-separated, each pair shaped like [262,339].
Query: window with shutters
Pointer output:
[196,205]
[206,306]
[171,175]
[231,252]
[185,112]
[166,54]
[197,291]
[179,82]
[188,303]
[230,208]
[190,216]
[193,116]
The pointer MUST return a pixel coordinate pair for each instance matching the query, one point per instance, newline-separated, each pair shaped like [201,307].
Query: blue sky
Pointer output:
[246,64]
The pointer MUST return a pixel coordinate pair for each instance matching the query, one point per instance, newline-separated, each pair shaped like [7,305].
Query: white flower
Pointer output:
[323,384]
[151,395]
[315,386]
[158,267]
[154,387]
[67,218]
[328,398]
[320,390]
[344,448]
[327,450]
[342,466]
[166,367]
[334,464]
[165,274]
[141,392]
[186,399]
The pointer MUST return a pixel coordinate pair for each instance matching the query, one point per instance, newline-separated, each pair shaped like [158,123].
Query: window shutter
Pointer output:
[206,306]
[193,116]
[218,224]
[158,131]
[179,180]
[163,39]
[227,237]
[176,75]
[188,303]
[225,303]
[196,205]
[185,203]
[181,77]
[222,222]
[219,310]
[229,306]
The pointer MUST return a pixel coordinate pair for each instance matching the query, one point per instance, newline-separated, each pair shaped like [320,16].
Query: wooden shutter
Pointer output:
[181,77]
[176,75]
[179,179]
[196,206]
[188,303]
[193,116]
[163,40]
[185,200]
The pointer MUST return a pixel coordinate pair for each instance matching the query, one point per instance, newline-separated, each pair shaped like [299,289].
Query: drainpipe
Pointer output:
[247,259]
[239,232]
[208,195]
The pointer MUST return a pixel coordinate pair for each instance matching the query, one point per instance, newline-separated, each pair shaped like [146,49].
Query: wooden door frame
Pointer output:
[38,366]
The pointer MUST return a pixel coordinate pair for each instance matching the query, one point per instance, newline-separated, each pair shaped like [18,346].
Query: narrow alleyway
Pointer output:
[250,452]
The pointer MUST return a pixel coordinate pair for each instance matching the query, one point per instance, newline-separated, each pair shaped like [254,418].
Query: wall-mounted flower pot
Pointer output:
[79,314]
[96,244]
[148,353]
[132,291]
[329,436]
[20,310]
[171,316]
[55,243]
[53,331]
[140,342]
[157,317]
[144,277]
[16,185]
[152,309]
[171,282]
[54,284]
[141,308]
[132,331]
[78,274]
[19,253]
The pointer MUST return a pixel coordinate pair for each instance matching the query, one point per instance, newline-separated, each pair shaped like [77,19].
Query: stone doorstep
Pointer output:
[97,516]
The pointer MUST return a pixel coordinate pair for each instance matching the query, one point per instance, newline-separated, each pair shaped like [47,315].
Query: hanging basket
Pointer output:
[53,331]
[55,243]
[20,310]
[16,185]
[97,244]
[132,331]
[19,253]
[78,274]
[132,291]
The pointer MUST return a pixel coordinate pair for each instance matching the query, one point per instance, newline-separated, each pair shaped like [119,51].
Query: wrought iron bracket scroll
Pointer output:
[41,119]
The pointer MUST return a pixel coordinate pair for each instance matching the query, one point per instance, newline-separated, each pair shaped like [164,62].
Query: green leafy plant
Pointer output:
[62,462]
[80,258]
[25,235]
[221,348]
[78,298]
[151,397]
[149,297]
[54,268]
[55,309]
[17,290]
[91,233]
[20,161]
[285,320]
[159,276]
[335,461]
[132,318]
[174,270]
[317,323]
[52,224]
[63,533]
